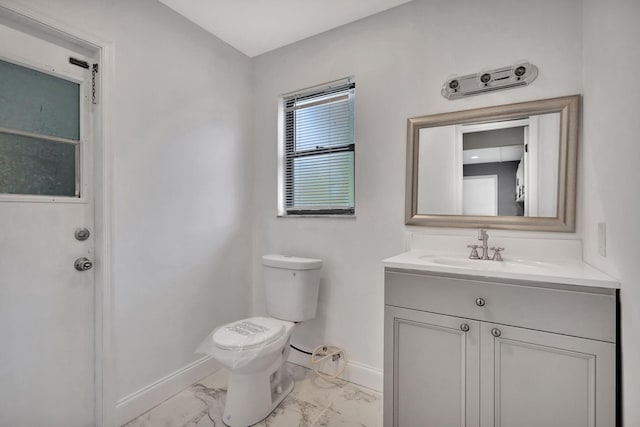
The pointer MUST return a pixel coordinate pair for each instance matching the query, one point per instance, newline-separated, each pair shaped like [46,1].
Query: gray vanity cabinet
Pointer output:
[435,363]
[480,353]
[532,378]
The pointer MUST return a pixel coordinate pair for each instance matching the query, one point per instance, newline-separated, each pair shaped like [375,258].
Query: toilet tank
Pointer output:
[291,286]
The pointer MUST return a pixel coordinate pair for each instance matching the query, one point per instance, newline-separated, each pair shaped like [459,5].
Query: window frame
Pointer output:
[286,146]
[62,69]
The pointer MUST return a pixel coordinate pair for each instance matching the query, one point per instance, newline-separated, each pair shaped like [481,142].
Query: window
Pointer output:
[317,144]
[40,122]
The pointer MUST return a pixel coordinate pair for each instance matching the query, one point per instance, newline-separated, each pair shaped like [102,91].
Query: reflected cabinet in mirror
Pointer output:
[509,166]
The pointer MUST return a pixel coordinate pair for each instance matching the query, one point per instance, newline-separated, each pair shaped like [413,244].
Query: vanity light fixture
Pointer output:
[520,74]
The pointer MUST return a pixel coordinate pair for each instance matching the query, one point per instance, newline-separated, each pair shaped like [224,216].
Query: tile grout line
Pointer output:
[330,403]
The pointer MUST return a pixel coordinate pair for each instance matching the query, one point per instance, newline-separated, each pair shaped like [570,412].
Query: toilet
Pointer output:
[256,349]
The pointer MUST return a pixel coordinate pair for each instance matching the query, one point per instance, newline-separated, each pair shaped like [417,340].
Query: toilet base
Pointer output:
[252,397]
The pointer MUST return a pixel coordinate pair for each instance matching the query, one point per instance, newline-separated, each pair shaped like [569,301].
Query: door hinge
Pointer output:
[94,96]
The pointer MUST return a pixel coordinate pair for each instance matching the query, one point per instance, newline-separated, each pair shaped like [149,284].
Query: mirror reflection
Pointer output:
[492,168]
[507,166]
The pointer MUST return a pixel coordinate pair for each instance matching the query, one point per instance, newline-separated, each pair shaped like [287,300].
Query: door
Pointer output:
[480,195]
[431,370]
[532,379]
[47,354]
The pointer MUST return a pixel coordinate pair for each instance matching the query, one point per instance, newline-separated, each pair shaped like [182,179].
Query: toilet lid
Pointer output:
[248,334]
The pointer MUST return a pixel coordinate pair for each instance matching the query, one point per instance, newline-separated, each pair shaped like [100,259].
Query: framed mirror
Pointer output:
[506,167]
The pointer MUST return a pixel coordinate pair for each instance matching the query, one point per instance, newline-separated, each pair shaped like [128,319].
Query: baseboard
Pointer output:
[139,402]
[355,372]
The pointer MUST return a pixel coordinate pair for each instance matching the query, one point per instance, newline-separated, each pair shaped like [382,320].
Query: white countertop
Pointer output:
[567,271]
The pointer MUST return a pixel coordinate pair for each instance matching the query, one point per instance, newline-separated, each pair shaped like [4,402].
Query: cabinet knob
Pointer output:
[496,332]
[480,302]
[464,327]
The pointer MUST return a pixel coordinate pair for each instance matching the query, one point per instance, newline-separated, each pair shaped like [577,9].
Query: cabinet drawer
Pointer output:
[577,313]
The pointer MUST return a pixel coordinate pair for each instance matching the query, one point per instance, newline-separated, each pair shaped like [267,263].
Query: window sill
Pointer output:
[318,216]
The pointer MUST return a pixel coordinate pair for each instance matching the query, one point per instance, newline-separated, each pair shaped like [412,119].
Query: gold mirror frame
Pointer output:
[567,106]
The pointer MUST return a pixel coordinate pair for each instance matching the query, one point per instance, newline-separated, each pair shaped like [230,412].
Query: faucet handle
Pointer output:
[497,256]
[474,252]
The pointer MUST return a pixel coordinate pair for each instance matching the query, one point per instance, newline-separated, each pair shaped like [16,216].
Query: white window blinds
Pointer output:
[319,144]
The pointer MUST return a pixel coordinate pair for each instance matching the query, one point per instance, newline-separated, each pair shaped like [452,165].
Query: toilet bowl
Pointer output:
[255,350]
[258,380]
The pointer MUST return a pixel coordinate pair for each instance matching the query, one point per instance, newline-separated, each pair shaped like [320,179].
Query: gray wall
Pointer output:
[609,164]
[181,188]
[493,138]
[400,59]
[506,172]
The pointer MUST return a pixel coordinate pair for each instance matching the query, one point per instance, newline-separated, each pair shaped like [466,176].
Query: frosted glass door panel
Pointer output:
[38,112]
[35,166]
[36,102]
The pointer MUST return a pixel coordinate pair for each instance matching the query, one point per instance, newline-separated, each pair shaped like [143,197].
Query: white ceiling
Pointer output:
[258,26]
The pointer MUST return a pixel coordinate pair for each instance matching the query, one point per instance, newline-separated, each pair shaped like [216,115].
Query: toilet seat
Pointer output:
[248,334]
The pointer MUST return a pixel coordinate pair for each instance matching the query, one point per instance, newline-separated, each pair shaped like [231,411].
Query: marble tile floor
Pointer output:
[312,403]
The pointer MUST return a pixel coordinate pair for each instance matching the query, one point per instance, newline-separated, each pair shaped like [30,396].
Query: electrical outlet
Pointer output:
[602,239]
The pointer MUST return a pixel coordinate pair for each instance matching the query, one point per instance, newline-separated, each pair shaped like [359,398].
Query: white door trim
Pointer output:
[103,158]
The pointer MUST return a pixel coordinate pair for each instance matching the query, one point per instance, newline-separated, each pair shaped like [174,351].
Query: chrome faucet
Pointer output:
[484,237]
[497,256]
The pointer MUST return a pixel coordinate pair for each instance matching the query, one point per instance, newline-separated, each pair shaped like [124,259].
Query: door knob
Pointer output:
[464,327]
[83,264]
[496,332]
[480,302]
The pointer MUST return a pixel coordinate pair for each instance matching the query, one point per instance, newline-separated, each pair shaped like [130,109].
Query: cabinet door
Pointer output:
[531,379]
[431,371]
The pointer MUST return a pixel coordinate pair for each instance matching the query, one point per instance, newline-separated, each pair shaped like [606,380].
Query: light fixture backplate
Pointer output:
[520,74]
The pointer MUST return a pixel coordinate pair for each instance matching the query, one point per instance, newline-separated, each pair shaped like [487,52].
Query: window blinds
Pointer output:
[319,150]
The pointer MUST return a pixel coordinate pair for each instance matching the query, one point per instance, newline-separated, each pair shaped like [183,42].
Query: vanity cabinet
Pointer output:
[435,362]
[469,352]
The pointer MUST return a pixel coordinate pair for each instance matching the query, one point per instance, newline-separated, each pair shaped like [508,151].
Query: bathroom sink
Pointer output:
[519,265]
[508,265]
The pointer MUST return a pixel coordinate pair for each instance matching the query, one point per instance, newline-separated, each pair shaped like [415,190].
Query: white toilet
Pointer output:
[256,349]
